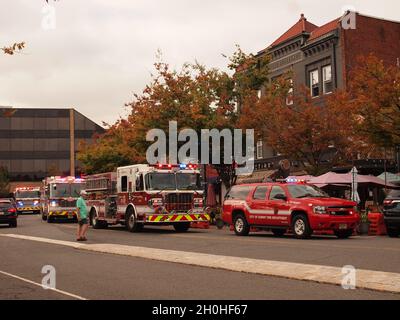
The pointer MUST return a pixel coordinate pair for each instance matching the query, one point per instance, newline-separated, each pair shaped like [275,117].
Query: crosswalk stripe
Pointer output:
[40,285]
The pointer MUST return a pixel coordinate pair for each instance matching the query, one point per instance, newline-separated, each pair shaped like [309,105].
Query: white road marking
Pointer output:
[366,279]
[40,285]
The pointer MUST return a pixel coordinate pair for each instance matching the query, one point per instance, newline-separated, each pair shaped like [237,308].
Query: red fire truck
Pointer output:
[140,195]
[59,198]
[27,200]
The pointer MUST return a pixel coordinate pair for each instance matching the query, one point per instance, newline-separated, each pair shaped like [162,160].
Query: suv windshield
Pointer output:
[172,181]
[27,194]
[306,191]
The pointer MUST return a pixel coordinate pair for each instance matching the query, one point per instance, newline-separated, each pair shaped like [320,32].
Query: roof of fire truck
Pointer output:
[59,179]
[27,189]
[145,168]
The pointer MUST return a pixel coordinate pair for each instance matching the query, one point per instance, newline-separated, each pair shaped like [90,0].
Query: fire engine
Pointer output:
[59,198]
[142,194]
[27,199]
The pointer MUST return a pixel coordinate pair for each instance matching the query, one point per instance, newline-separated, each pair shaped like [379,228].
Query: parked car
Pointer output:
[394,195]
[391,210]
[8,212]
[282,206]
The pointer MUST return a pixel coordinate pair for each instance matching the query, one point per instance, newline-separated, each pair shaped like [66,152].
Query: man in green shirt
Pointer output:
[82,214]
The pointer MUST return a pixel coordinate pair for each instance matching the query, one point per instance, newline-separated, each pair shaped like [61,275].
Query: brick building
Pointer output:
[322,57]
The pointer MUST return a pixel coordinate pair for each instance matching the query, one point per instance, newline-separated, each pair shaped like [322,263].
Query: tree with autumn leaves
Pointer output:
[349,124]
[375,97]
[196,97]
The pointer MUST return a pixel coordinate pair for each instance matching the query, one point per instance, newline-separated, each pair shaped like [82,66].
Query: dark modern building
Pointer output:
[35,143]
[322,57]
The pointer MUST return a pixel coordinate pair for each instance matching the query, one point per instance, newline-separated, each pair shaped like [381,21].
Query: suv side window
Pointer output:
[260,193]
[276,190]
[238,193]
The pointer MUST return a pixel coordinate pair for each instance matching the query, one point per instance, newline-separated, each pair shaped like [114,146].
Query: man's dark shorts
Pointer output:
[83,222]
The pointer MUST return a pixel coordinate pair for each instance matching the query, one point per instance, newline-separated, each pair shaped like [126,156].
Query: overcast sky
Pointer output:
[102,51]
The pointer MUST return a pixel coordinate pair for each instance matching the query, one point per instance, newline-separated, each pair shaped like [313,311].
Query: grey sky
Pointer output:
[103,50]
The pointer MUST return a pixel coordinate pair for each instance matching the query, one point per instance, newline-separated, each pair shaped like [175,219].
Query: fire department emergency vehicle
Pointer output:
[141,194]
[27,200]
[59,198]
[281,206]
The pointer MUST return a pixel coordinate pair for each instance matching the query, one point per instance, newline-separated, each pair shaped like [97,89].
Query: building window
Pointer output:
[327,79]
[259,149]
[314,83]
[289,97]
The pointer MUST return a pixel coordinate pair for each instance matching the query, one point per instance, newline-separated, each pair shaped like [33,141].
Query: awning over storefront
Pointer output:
[257,177]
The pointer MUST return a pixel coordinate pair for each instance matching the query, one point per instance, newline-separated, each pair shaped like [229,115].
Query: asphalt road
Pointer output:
[93,275]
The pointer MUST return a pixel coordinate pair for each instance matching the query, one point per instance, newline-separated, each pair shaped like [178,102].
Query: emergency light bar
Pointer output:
[27,188]
[182,166]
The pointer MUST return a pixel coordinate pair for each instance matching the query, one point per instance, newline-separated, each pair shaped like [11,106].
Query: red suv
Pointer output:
[281,206]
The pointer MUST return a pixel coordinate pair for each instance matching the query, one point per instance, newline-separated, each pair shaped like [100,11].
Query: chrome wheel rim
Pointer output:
[299,227]
[239,225]
[131,221]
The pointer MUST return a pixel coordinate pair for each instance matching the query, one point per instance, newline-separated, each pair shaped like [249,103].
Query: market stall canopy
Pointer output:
[330,178]
[390,177]
[346,178]
[300,178]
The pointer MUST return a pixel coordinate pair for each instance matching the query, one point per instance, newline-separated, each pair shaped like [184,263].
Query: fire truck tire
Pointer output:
[44,217]
[95,223]
[240,225]
[300,227]
[182,226]
[219,223]
[344,234]
[131,222]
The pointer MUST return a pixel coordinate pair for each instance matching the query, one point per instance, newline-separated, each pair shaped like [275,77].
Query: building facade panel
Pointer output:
[35,143]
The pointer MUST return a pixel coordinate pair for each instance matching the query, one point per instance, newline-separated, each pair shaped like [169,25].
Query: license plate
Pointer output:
[342,226]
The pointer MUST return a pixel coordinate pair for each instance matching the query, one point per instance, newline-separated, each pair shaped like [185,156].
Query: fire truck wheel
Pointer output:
[95,223]
[300,227]
[219,223]
[182,227]
[44,217]
[240,225]
[131,222]
[344,234]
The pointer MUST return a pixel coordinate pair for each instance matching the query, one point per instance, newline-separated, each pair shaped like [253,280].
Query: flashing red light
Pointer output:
[170,166]
[160,165]
[12,210]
